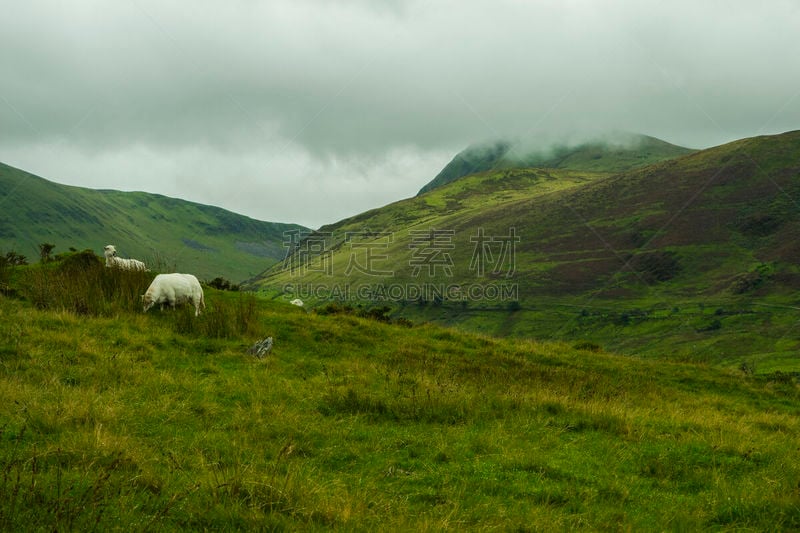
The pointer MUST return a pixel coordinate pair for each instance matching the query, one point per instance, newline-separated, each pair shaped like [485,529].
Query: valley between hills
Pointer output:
[634,367]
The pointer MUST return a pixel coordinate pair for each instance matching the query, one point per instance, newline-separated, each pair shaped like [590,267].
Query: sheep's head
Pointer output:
[109,250]
[147,302]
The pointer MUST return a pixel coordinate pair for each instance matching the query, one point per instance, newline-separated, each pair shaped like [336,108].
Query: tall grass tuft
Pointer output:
[225,318]
[80,283]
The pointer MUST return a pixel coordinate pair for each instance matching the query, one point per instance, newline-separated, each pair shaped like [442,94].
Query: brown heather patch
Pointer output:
[583,275]
[787,247]
[691,228]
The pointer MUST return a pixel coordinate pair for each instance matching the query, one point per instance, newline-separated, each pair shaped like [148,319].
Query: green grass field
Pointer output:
[111,419]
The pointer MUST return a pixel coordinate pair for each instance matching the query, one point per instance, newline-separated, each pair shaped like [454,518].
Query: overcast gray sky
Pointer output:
[309,111]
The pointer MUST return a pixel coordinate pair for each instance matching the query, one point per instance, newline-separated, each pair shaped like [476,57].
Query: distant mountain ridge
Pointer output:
[696,255]
[206,240]
[616,153]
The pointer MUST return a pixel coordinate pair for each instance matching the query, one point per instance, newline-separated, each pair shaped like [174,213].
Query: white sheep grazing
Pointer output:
[174,289]
[297,301]
[125,264]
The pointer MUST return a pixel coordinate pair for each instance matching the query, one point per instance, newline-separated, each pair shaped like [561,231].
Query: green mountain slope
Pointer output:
[622,152]
[166,232]
[697,251]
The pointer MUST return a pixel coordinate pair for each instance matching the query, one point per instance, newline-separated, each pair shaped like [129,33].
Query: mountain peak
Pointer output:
[609,152]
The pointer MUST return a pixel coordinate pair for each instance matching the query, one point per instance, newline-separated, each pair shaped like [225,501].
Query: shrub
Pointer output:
[335,309]
[657,266]
[14,259]
[748,368]
[784,378]
[223,284]
[381,314]
[714,325]
[752,280]
[81,262]
[588,346]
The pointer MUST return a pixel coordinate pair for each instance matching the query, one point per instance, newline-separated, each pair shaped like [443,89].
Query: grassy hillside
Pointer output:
[173,233]
[611,155]
[695,257]
[111,419]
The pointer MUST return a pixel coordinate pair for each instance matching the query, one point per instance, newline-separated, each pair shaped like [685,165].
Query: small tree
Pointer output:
[45,251]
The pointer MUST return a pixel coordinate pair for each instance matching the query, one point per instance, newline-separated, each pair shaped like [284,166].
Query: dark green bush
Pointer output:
[588,346]
[656,266]
[223,284]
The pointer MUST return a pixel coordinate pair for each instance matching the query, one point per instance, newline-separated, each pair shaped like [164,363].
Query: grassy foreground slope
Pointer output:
[111,419]
[176,234]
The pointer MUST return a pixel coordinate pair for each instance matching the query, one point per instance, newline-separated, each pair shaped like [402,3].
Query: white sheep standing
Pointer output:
[297,301]
[174,289]
[125,264]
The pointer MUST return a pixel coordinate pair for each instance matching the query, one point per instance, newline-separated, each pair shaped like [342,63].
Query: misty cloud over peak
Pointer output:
[288,95]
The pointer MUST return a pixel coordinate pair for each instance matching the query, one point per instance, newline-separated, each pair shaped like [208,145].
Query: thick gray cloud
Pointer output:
[308,111]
